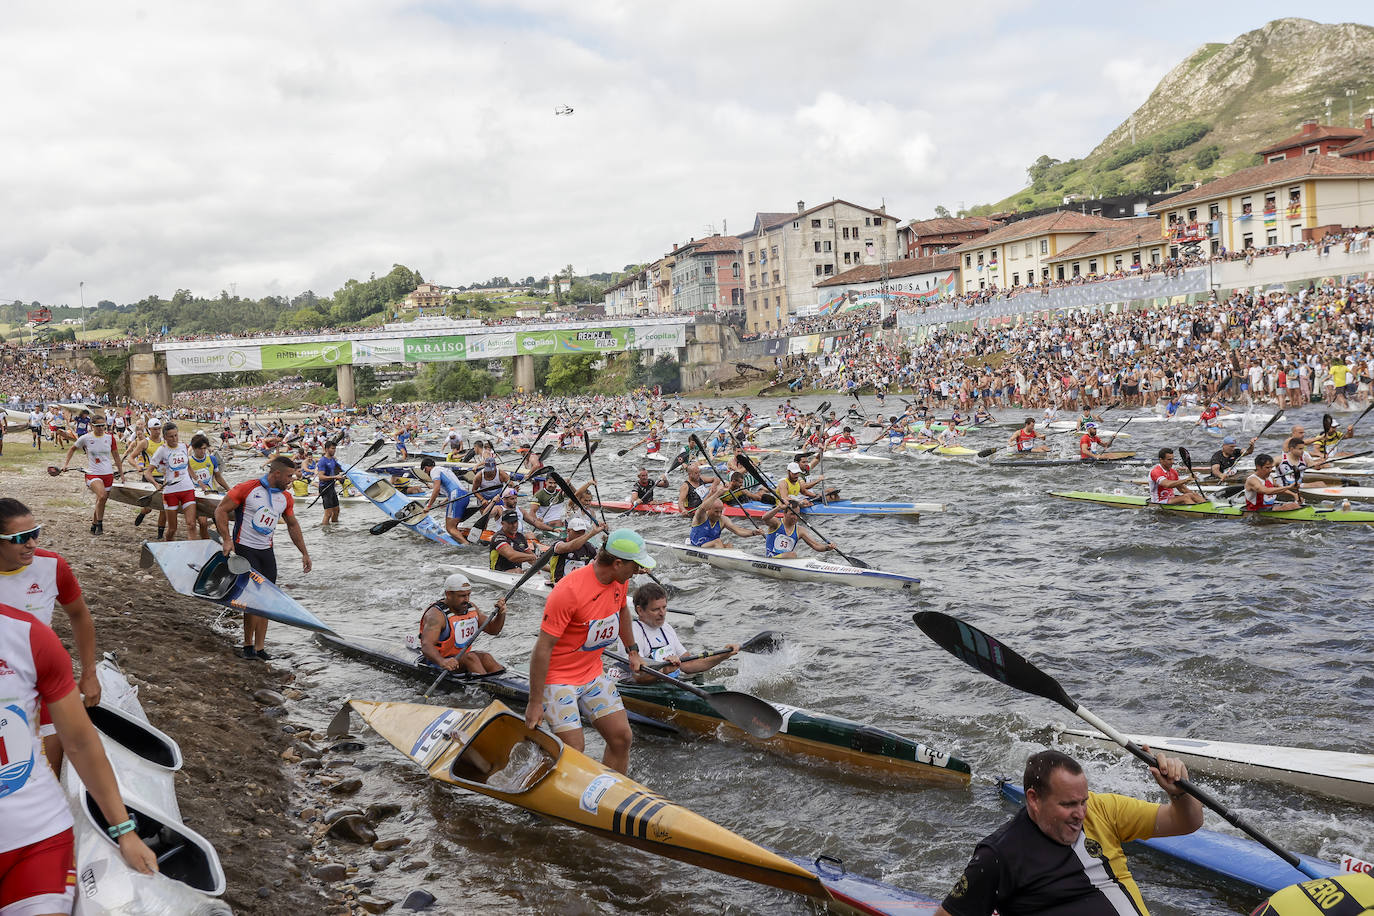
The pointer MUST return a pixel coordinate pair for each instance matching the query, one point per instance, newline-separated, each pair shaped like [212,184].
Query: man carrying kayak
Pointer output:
[784,533]
[449,625]
[446,487]
[1165,486]
[1062,852]
[659,641]
[585,613]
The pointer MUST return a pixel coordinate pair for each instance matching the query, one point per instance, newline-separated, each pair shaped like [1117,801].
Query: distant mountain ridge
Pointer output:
[1212,111]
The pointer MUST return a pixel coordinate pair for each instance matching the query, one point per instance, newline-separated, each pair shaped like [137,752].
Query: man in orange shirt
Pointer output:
[584,614]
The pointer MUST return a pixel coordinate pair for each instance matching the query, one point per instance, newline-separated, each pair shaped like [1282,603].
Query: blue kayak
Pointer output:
[857,894]
[1234,859]
[408,509]
[200,570]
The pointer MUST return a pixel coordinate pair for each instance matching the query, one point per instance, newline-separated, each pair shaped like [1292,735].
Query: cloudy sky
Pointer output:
[277,147]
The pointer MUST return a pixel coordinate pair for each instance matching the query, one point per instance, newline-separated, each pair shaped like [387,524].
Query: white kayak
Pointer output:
[858,456]
[1337,774]
[1338,492]
[145,761]
[539,585]
[801,569]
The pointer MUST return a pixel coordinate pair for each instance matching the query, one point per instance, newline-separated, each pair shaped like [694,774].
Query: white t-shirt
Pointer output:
[175,464]
[99,452]
[657,643]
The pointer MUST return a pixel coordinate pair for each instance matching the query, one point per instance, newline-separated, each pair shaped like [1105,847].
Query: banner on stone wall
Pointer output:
[661,337]
[213,359]
[306,356]
[436,349]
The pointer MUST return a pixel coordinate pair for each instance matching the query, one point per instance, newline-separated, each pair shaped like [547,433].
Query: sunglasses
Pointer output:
[23,537]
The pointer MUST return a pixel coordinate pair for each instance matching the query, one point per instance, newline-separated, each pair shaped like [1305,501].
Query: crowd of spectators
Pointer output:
[30,378]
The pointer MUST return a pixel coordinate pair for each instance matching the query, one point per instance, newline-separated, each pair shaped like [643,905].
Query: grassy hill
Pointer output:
[1211,112]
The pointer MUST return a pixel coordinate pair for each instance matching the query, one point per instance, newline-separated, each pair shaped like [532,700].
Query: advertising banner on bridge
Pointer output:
[598,340]
[491,346]
[811,343]
[662,337]
[213,359]
[378,352]
[436,349]
[306,356]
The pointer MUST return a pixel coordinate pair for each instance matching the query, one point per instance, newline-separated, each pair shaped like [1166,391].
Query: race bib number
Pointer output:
[265,521]
[16,750]
[782,543]
[601,633]
[704,490]
[201,476]
[465,630]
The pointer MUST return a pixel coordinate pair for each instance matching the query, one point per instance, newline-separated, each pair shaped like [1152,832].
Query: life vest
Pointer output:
[458,629]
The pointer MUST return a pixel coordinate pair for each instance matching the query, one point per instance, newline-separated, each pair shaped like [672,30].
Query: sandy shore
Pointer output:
[235,789]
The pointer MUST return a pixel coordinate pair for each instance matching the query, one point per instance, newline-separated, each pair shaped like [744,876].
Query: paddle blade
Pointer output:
[979,650]
[985,452]
[383,527]
[377,445]
[53,470]
[145,557]
[338,726]
[767,641]
[757,717]
[238,565]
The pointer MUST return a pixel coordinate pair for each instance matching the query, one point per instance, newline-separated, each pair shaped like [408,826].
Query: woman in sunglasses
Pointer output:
[34,580]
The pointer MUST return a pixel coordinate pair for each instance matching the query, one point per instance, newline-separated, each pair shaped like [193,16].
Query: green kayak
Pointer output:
[804,732]
[1213,510]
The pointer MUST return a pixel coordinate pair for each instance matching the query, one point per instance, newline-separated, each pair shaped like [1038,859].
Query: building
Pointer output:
[629,296]
[1361,149]
[707,275]
[921,238]
[661,275]
[1313,139]
[1122,248]
[1019,253]
[426,295]
[898,282]
[1277,203]
[785,254]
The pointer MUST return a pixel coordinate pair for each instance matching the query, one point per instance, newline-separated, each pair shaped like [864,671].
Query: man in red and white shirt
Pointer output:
[34,581]
[173,461]
[102,460]
[36,840]
[255,507]
[1165,487]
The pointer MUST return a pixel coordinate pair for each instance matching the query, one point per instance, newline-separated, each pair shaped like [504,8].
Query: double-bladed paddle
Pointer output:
[754,469]
[377,445]
[758,717]
[979,650]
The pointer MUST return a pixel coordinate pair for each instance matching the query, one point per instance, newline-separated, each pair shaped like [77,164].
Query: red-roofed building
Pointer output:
[707,276]
[921,238]
[1019,253]
[1361,150]
[1314,139]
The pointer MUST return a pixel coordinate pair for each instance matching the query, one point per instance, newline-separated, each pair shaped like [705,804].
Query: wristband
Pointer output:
[117,830]
[632,647]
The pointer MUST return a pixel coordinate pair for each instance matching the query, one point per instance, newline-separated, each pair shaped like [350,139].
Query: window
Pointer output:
[1028,249]
[776,278]
[868,220]
[796,224]
[980,259]
[1060,270]
[751,257]
[1279,158]
[775,251]
[1045,274]
[1015,279]
[830,224]
[826,245]
[753,282]
[1273,238]
[1076,271]
[1092,266]
[877,220]
[818,270]
[968,260]
[1154,256]
[734,268]
[1245,205]
[1045,247]
[818,246]
[846,257]
[844,233]
[1312,150]
[1116,264]
[856,257]
[815,224]
[829,269]
[1135,259]
[706,269]
[1192,215]
[1247,241]
[1214,211]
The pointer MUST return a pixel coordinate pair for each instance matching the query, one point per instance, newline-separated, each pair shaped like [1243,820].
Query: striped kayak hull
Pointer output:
[131,492]
[1113,458]
[408,663]
[1230,859]
[759,510]
[1340,775]
[397,505]
[801,569]
[1366,493]
[185,563]
[1212,510]
[805,733]
[471,749]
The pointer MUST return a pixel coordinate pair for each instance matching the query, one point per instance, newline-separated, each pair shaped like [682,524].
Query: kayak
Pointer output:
[134,490]
[1334,773]
[813,734]
[851,893]
[1213,510]
[1338,492]
[514,688]
[801,569]
[145,762]
[199,569]
[759,510]
[1108,458]
[1230,858]
[408,509]
[949,451]
[538,585]
[857,456]
[490,751]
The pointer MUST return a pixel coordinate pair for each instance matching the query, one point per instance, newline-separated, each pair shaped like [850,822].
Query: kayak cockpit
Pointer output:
[380,491]
[147,743]
[505,756]
[215,580]
[182,854]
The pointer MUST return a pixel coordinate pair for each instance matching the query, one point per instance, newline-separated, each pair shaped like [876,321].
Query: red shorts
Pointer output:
[179,499]
[39,877]
[106,479]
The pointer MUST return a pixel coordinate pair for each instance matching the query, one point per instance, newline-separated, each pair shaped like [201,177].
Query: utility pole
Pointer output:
[1328,100]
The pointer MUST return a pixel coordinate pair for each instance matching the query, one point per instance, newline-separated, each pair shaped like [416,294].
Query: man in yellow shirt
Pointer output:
[1062,853]
[1340,377]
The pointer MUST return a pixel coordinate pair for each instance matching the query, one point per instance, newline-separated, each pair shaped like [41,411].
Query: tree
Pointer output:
[1157,175]
[1040,167]
[941,212]
[1207,156]
[570,373]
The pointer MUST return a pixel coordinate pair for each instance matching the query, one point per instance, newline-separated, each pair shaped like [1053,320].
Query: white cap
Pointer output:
[457,583]
[578,523]
[154,423]
[794,468]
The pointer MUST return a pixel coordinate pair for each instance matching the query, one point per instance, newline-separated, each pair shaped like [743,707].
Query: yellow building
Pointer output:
[1126,246]
[1020,253]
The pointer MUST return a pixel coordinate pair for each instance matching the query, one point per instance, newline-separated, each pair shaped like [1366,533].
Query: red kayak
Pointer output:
[671,508]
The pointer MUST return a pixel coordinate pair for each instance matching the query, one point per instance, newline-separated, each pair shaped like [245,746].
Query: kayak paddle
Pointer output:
[760,644]
[979,650]
[754,469]
[758,717]
[377,445]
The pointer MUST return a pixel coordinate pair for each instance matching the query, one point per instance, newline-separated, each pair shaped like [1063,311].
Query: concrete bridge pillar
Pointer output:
[343,375]
[148,378]
[524,373]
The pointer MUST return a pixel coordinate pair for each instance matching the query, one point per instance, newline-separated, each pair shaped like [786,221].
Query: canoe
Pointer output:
[199,570]
[408,509]
[130,492]
[490,751]
[805,733]
[851,893]
[145,762]
[857,456]
[759,510]
[1213,510]
[801,569]
[1334,773]
[539,585]
[1232,859]
[512,687]
[1337,493]
[1110,458]
[948,451]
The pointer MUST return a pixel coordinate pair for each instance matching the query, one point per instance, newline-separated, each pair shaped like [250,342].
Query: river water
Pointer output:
[1242,631]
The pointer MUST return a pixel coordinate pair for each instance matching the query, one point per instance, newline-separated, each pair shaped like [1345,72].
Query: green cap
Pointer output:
[626,544]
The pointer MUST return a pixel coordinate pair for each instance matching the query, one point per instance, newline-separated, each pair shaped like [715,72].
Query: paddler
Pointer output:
[1062,852]
[1208,417]
[329,474]
[709,520]
[1260,494]
[1090,444]
[1023,440]
[102,462]
[644,487]
[172,460]
[509,548]
[574,551]
[795,486]
[445,485]
[449,625]
[1165,486]
[658,640]
[1225,458]
[785,532]
[1331,435]
[144,447]
[692,491]
[205,472]
[585,613]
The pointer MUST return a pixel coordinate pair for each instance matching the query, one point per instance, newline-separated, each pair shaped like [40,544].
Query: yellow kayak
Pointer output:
[492,752]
